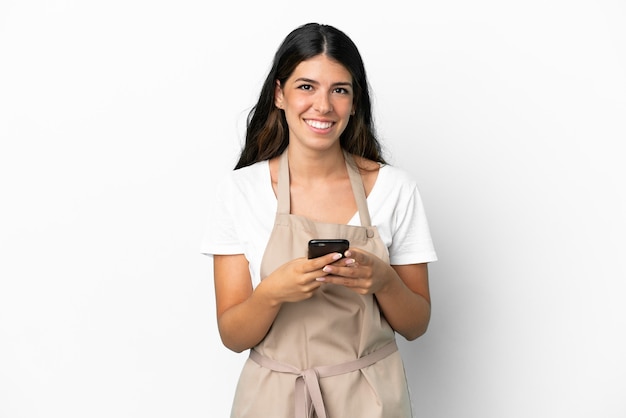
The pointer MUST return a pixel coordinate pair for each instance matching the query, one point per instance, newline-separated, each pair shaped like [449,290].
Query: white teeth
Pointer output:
[319,125]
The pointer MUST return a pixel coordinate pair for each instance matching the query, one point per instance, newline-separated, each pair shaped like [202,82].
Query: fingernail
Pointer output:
[349,261]
[321,279]
[336,256]
[326,269]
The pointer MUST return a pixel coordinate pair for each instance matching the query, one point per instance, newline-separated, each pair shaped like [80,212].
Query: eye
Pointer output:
[341,90]
[306,87]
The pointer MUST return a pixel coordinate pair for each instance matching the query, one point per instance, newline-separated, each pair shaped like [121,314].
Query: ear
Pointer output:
[278,95]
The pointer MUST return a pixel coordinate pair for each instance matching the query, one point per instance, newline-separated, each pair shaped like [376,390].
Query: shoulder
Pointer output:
[243,183]
[397,178]
[392,178]
[395,187]
[369,171]
[397,174]
[251,175]
[365,164]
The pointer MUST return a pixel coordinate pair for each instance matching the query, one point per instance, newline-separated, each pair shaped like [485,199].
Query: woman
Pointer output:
[321,331]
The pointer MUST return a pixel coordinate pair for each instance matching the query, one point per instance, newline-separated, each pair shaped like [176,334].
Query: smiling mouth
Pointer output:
[318,124]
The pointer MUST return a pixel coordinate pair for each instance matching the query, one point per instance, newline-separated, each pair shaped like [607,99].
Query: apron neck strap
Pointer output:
[283,194]
[358,190]
[282,188]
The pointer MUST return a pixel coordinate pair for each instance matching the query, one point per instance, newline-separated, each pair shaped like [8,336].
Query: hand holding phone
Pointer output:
[320,247]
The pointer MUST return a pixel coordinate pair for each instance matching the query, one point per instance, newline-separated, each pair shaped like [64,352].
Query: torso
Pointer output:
[298,347]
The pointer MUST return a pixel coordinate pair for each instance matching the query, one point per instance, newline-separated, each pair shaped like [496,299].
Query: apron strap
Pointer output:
[283,194]
[358,190]
[308,395]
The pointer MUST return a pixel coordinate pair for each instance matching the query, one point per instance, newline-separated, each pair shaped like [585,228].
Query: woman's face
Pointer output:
[317,100]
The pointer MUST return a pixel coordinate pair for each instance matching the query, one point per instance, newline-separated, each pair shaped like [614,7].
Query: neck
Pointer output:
[309,166]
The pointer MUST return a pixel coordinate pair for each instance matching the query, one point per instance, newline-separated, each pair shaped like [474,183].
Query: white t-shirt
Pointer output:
[241,216]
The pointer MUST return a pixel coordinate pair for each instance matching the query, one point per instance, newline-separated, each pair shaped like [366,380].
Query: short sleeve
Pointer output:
[220,232]
[411,240]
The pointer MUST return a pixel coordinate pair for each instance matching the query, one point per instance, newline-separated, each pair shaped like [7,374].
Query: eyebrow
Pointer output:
[338,84]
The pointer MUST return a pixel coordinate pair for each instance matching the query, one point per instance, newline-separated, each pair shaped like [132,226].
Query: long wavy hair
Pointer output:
[267,133]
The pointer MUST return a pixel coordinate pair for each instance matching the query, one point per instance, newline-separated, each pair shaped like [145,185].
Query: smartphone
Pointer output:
[320,247]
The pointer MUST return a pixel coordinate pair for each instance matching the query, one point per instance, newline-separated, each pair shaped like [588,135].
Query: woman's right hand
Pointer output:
[244,314]
[296,280]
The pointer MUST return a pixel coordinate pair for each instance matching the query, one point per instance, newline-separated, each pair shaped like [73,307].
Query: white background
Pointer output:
[117,117]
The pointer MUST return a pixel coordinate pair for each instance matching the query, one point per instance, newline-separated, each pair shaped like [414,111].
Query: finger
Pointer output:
[319,262]
[347,272]
[312,286]
[352,252]
[349,262]
[357,255]
[340,280]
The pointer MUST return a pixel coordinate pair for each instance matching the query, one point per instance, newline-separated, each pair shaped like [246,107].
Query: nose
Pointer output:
[322,103]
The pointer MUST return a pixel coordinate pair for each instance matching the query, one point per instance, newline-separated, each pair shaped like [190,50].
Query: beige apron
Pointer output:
[330,356]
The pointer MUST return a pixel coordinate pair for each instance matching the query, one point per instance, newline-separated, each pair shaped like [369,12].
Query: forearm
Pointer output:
[407,312]
[245,315]
[244,325]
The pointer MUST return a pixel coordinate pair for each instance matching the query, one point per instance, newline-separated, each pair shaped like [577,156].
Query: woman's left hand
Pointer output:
[401,290]
[360,271]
